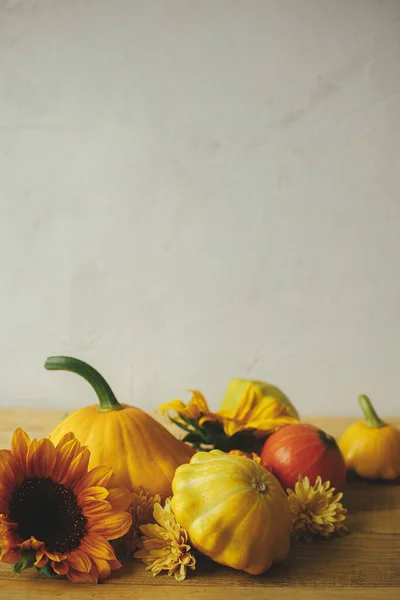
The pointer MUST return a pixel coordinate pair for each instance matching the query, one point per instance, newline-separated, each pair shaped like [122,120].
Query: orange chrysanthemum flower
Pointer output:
[57,515]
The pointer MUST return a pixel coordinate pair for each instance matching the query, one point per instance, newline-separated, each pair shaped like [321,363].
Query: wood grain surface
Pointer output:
[363,565]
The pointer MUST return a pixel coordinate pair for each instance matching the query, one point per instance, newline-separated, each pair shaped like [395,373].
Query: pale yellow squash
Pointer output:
[234,510]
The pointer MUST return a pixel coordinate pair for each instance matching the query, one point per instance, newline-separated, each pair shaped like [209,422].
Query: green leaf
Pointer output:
[191,422]
[48,571]
[28,557]
[180,424]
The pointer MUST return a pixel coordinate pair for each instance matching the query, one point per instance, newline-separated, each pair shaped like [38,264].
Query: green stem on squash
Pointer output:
[107,399]
[371,418]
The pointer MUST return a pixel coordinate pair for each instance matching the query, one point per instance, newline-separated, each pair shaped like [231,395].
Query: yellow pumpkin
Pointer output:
[371,447]
[138,448]
[264,393]
[234,511]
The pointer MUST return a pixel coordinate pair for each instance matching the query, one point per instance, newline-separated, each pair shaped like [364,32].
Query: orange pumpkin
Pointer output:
[302,449]
[138,448]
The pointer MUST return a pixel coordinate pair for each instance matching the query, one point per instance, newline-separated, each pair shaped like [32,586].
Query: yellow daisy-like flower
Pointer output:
[57,515]
[249,415]
[195,409]
[165,545]
[141,510]
[316,509]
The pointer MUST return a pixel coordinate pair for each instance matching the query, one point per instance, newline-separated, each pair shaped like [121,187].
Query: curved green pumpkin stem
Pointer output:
[107,400]
[371,418]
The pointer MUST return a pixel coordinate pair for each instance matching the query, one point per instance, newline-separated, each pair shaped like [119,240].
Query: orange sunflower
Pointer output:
[57,515]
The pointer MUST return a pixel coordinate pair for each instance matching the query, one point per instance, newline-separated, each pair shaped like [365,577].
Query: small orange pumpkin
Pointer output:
[302,449]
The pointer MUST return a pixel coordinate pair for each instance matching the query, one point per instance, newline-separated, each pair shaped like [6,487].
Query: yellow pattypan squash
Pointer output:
[140,450]
[233,509]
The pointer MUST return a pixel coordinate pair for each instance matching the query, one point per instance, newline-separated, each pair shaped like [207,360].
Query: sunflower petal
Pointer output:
[113,526]
[213,417]
[11,471]
[61,568]
[99,476]
[6,490]
[198,401]
[44,458]
[119,498]
[67,437]
[77,469]
[19,445]
[41,560]
[79,577]
[30,466]
[55,556]
[175,405]
[95,492]
[9,539]
[96,545]
[96,509]
[104,567]
[79,561]
[32,543]
[66,453]
[5,456]
[10,555]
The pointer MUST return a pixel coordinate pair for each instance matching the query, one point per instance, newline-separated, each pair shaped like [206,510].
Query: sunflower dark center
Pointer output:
[48,511]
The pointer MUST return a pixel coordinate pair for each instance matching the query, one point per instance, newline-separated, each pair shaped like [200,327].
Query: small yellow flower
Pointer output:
[251,414]
[165,545]
[141,509]
[195,409]
[316,510]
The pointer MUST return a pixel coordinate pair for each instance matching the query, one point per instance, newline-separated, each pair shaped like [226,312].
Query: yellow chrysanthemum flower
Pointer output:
[165,545]
[57,515]
[141,510]
[316,509]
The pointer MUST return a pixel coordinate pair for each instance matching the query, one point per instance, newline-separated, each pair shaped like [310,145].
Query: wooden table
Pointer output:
[363,565]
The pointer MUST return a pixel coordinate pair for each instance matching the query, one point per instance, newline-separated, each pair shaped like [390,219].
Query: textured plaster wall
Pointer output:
[196,190]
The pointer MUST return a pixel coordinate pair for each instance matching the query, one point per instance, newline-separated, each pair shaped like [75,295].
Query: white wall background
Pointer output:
[197,190]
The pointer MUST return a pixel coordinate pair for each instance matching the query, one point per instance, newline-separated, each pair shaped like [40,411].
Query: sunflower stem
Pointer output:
[371,418]
[107,399]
